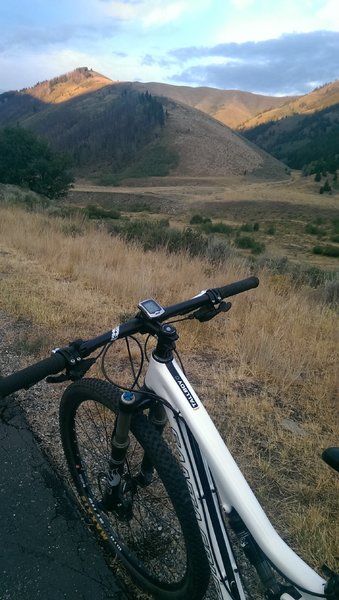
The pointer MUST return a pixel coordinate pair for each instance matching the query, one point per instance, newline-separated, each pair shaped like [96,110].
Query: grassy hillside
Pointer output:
[70,85]
[303,133]
[101,126]
[121,130]
[319,99]
[270,363]
[302,141]
[231,107]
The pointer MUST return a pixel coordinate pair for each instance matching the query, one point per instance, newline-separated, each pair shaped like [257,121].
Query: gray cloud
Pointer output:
[38,37]
[149,60]
[119,54]
[293,63]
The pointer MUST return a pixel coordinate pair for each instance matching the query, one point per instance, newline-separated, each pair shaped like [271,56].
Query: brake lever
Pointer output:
[74,373]
[206,314]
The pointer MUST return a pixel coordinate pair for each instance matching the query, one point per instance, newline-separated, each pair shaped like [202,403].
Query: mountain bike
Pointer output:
[154,475]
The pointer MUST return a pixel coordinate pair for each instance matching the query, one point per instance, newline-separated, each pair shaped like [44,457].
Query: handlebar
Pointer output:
[31,375]
[59,360]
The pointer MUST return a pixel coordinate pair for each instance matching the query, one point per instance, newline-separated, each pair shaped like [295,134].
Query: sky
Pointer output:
[270,47]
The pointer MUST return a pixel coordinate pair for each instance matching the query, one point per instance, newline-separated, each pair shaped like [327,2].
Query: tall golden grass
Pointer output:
[267,370]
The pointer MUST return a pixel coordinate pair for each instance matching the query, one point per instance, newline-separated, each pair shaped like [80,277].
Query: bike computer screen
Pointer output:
[151,308]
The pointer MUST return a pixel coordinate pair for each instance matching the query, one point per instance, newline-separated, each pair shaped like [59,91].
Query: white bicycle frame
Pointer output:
[207,462]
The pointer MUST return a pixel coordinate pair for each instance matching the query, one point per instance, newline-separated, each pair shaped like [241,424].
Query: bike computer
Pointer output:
[151,308]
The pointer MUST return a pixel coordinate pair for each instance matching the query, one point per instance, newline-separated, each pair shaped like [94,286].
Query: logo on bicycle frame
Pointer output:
[115,334]
[186,392]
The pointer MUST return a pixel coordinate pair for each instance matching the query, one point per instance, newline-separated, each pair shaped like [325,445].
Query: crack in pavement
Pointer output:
[46,550]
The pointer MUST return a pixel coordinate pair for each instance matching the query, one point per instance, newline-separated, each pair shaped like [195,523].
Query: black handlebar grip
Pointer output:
[238,286]
[31,375]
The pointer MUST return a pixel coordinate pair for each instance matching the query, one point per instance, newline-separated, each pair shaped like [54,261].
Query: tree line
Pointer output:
[81,135]
[28,161]
[306,142]
[107,129]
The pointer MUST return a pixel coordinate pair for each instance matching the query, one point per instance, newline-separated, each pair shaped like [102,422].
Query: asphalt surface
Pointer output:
[46,551]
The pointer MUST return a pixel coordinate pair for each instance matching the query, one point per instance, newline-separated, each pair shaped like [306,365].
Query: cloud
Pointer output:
[147,12]
[241,4]
[149,60]
[37,37]
[293,63]
[40,66]
[118,54]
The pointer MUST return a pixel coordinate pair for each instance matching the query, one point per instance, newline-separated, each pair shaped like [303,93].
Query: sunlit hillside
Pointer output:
[119,130]
[317,100]
[64,87]
[231,107]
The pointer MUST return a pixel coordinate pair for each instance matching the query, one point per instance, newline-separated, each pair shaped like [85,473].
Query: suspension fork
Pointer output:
[157,416]
[113,498]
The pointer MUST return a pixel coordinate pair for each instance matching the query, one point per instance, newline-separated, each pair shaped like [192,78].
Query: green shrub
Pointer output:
[199,219]
[157,234]
[247,242]
[278,265]
[189,240]
[335,225]
[250,227]
[31,201]
[209,227]
[312,229]
[325,188]
[271,230]
[318,221]
[258,247]
[218,251]
[327,250]
[97,212]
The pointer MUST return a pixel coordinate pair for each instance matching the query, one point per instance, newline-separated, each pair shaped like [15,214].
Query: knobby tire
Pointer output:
[160,545]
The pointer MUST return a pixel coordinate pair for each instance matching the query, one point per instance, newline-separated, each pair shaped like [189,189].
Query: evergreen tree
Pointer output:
[27,161]
[327,187]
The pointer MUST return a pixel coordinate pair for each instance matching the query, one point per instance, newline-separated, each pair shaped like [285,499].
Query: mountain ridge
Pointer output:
[304,133]
[231,107]
[109,126]
[318,99]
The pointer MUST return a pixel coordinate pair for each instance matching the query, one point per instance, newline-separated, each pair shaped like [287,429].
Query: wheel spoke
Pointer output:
[159,540]
[154,524]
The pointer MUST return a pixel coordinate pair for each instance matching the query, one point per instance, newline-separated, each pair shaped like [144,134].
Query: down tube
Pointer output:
[206,505]
[169,382]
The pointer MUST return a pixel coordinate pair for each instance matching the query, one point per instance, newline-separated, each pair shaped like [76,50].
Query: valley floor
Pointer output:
[293,208]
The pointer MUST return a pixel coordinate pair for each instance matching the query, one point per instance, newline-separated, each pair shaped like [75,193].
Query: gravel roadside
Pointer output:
[46,550]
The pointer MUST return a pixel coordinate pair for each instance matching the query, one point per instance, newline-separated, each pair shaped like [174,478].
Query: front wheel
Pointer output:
[159,541]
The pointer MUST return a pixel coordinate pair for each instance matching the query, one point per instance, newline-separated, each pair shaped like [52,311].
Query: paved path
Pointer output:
[46,552]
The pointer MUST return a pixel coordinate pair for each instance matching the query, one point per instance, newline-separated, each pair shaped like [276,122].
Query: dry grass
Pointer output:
[267,370]
[288,205]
